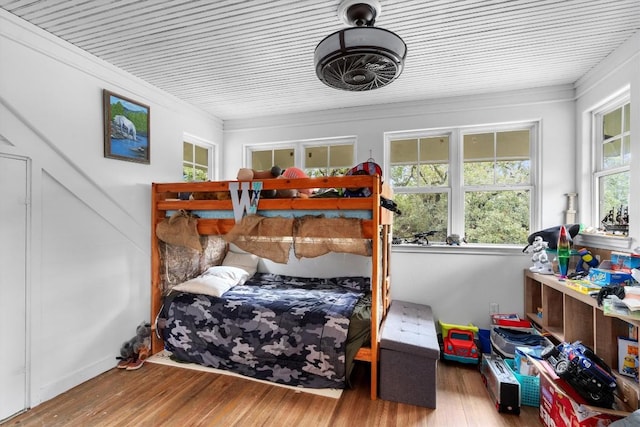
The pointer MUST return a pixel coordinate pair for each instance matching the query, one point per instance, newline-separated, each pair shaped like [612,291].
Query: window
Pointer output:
[420,179]
[326,157]
[197,160]
[263,160]
[328,160]
[612,166]
[474,182]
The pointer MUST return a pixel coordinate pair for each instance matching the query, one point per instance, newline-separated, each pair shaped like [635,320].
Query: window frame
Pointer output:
[598,171]
[456,189]
[298,147]
[212,155]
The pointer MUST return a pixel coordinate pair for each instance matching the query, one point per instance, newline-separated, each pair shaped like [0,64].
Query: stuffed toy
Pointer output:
[294,173]
[135,351]
[550,235]
[211,195]
[246,174]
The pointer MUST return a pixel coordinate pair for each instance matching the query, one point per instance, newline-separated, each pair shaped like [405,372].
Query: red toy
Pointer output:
[459,345]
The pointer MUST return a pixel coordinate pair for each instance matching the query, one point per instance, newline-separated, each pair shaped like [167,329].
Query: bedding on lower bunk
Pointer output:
[284,329]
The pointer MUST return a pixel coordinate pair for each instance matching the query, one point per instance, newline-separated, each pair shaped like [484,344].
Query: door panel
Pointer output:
[13,279]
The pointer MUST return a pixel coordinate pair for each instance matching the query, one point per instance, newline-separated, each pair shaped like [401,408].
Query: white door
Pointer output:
[13,303]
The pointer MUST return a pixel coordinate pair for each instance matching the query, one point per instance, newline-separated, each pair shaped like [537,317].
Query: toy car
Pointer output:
[459,346]
[584,371]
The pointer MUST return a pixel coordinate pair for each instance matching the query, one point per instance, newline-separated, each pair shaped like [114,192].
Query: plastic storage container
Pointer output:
[529,386]
[484,339]
[505,340]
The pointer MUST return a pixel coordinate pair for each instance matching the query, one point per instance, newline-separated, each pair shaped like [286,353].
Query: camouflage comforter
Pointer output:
[277,328]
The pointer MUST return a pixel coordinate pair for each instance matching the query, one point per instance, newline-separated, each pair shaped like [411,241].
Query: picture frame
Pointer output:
[126,129]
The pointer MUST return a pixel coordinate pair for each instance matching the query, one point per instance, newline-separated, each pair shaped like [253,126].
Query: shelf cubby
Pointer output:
[568,315]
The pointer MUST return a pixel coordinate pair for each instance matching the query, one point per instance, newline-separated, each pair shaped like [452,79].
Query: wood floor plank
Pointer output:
[160,395]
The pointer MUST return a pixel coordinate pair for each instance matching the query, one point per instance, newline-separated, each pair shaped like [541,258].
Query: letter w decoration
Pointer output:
[247,202]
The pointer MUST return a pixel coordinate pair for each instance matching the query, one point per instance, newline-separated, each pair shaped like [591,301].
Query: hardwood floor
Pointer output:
[159,395]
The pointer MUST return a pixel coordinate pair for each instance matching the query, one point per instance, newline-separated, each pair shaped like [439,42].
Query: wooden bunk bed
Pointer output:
[376,227]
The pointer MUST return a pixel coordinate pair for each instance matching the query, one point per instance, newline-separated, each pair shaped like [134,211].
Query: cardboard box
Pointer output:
[561,406]
[604,277]
[628,357]
[621,261]
[501,383]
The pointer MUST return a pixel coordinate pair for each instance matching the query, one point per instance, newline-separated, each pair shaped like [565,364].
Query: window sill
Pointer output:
[467,249]
[604,242]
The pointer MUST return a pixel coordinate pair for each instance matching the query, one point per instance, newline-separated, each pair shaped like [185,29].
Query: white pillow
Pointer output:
[233,275]
[215,281]
[246,261]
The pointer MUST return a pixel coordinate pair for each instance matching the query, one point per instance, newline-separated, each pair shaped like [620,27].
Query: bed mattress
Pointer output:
[296,331]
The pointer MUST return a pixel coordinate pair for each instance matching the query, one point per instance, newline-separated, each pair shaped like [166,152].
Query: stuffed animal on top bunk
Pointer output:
[135,351]
[246,174]
[293,173]
[211,195]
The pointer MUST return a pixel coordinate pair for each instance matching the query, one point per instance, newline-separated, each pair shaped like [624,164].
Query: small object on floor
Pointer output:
[459,345]
[124,362]
[502,385]
[134,351]
[135,364]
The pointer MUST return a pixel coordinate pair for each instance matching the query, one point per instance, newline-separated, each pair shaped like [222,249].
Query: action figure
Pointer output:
[541,263]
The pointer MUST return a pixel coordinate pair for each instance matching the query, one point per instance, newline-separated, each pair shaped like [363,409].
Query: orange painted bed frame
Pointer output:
[378,229]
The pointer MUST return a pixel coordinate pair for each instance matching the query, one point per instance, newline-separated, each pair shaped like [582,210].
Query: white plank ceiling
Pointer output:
[242,59]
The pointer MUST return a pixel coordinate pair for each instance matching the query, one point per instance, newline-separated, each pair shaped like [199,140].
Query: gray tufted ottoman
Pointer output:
[409,353]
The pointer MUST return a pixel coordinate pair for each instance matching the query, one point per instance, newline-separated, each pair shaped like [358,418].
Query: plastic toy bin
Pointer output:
[529,386]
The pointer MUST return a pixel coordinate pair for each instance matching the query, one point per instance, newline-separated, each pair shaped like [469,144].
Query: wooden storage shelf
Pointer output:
[568,315]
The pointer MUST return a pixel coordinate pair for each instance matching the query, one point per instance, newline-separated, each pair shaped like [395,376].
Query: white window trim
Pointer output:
[213,171]
[597,171]
[298,147]
[455,189]
[250,148]
[590,192]
[333,142]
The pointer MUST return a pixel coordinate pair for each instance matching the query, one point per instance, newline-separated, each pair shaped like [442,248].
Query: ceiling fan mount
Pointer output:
[359,13]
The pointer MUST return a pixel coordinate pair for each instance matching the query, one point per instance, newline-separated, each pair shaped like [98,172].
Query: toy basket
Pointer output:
[529,386]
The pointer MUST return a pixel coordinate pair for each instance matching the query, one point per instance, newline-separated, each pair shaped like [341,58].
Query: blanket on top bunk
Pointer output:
[278,328]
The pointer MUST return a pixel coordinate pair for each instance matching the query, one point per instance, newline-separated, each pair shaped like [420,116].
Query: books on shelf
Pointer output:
[615,307]
[632,297]
[628,357]
[583,286]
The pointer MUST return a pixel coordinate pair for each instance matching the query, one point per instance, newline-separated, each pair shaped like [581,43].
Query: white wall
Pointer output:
[89,251]
[459,284]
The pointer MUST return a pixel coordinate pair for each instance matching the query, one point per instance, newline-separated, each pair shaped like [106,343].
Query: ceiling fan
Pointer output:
[362,57]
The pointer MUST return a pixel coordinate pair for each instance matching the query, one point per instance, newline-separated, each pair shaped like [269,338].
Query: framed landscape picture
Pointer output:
[126,129]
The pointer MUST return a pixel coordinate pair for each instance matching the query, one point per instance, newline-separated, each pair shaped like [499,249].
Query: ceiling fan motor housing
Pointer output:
[362,57]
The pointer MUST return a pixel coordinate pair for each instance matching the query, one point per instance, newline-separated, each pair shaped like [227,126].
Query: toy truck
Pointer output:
[459,345]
